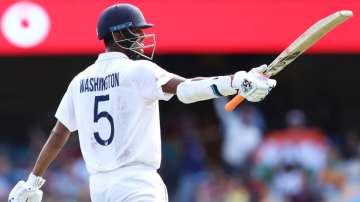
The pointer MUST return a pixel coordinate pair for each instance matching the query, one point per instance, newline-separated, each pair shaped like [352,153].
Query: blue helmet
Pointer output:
[125,18]
[118,17]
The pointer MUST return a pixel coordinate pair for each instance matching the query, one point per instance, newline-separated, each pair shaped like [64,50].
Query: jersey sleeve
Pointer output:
[66,111]
[149,79]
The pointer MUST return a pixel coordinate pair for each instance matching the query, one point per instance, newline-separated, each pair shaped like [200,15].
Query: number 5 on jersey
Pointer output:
[103,114]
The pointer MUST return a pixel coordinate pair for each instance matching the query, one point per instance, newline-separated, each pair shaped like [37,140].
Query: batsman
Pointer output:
[113,105]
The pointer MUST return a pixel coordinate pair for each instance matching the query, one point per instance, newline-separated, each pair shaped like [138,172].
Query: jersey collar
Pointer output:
[111,55]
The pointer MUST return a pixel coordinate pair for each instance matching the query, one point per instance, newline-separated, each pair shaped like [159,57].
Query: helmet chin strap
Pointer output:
[133,44]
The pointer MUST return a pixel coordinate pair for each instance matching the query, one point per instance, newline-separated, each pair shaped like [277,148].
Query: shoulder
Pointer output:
[145,65]
[76,78]
[143,68]
[75,82]
[84,74]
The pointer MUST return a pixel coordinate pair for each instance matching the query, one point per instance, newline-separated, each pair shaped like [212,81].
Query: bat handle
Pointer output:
[238,99]
[233,103]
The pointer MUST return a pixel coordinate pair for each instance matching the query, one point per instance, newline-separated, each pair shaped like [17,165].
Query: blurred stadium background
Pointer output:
[302,144]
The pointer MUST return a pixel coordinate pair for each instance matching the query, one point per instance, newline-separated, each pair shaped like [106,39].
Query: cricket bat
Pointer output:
[296,48]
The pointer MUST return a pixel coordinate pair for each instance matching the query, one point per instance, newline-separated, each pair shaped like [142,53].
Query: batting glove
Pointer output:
[28,191]
[253,85]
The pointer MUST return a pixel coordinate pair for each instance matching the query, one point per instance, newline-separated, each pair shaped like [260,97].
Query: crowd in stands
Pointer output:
[236,160]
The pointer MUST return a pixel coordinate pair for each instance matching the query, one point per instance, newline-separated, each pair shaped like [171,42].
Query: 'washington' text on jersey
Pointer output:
[99,84]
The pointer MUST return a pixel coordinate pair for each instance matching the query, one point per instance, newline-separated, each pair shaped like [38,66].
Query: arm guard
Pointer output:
[191,91]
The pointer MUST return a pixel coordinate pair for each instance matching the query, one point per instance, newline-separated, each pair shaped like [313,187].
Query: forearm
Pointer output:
[29,190]
[198,89]
[171,86]
[51,149]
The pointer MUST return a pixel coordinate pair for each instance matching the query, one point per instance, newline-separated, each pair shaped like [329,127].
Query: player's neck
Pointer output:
[114,48]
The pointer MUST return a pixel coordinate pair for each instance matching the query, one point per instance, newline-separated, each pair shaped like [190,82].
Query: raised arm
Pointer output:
[251,85]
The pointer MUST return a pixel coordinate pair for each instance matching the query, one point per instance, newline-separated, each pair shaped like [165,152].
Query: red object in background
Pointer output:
[202,26]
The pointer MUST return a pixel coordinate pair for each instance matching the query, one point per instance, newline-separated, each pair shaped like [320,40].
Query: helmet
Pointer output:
[124,18]
[120,16]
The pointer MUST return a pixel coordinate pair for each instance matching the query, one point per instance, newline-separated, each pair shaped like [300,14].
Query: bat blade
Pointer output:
[300,45]
[306,40]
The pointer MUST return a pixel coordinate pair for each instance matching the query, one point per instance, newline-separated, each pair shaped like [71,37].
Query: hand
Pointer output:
[253,85]
[28,191]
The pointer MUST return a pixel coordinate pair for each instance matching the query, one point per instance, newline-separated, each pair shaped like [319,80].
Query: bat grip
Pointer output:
[238,99]
[233,103]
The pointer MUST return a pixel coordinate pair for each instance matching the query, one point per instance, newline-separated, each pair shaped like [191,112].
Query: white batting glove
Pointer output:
[28,191]
[253,85]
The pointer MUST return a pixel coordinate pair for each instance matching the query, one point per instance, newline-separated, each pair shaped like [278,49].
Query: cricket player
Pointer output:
[113,104]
